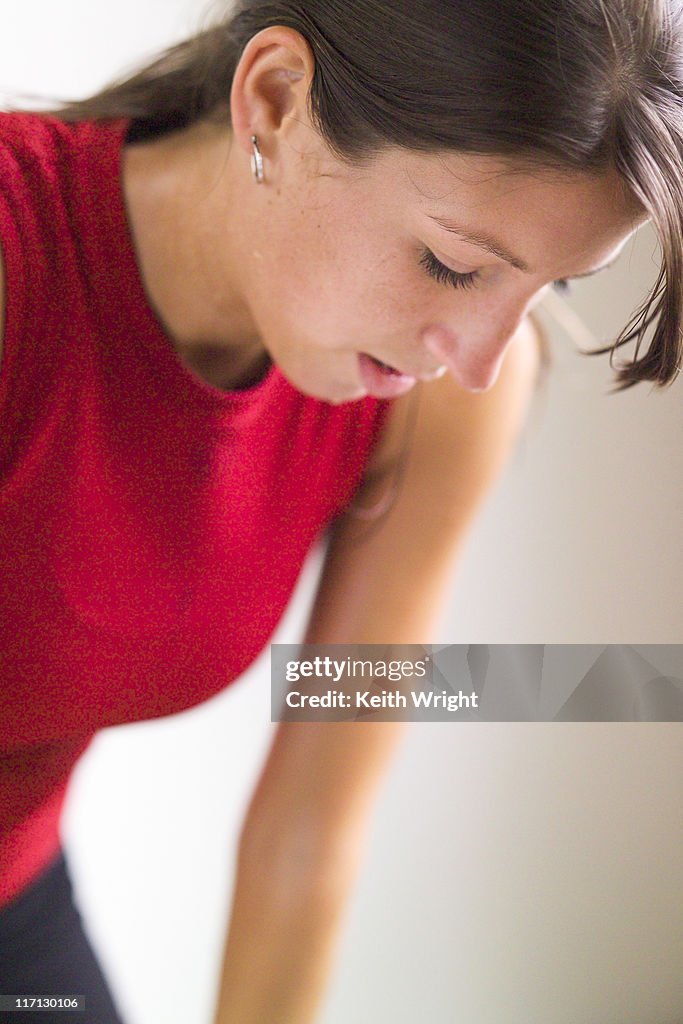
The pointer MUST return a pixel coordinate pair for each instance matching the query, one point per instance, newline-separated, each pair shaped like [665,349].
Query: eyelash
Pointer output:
[444,275]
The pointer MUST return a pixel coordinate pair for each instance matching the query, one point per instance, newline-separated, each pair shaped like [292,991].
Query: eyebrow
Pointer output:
[495,247]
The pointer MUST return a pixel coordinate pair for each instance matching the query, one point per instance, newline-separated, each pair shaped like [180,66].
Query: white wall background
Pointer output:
[539,877]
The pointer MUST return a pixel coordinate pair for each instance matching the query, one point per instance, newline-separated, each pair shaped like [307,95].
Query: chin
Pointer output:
[325,388]
[334,396]
[339,391]
[355,397]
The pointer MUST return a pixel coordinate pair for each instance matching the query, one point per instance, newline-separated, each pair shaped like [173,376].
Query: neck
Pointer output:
[182,196]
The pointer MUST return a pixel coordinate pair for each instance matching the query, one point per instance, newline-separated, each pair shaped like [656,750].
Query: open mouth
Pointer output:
[385,368]
[382,380]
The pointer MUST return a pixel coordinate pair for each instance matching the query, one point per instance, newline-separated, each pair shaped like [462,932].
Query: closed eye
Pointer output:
[444,275]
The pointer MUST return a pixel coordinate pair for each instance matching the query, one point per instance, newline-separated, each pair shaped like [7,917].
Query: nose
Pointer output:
[475,366]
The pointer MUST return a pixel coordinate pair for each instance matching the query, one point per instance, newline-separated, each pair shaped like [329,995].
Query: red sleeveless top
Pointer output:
[152,526]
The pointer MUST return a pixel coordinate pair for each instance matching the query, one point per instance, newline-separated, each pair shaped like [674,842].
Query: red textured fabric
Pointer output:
[152,527]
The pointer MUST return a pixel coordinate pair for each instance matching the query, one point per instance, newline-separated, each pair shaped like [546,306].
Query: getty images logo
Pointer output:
[478,682]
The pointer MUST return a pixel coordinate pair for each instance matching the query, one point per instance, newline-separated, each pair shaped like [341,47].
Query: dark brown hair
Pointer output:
[574,85]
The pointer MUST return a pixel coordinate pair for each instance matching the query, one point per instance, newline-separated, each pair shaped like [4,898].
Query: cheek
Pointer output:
[316,280]
[342,279]
[304,298]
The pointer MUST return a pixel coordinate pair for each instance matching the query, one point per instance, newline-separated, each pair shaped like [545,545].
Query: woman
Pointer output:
[236,271]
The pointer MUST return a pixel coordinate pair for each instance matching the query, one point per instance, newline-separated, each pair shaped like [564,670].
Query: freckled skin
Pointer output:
[323,260]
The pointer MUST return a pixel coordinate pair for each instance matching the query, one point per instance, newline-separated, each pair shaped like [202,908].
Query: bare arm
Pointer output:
[303,835]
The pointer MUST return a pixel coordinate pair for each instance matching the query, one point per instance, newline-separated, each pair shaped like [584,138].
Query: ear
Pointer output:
[270,88]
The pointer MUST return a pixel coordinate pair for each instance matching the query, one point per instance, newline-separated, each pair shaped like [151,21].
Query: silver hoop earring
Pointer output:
[257,162]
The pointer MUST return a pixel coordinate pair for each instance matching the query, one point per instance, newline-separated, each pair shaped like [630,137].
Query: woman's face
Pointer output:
[420,260]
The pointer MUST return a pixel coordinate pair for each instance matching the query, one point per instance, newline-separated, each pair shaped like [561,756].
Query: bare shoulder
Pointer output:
[451,425]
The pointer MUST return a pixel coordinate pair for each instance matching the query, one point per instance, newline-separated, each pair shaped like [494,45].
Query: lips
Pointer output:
[381,380]
[425,376]
[386,367]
